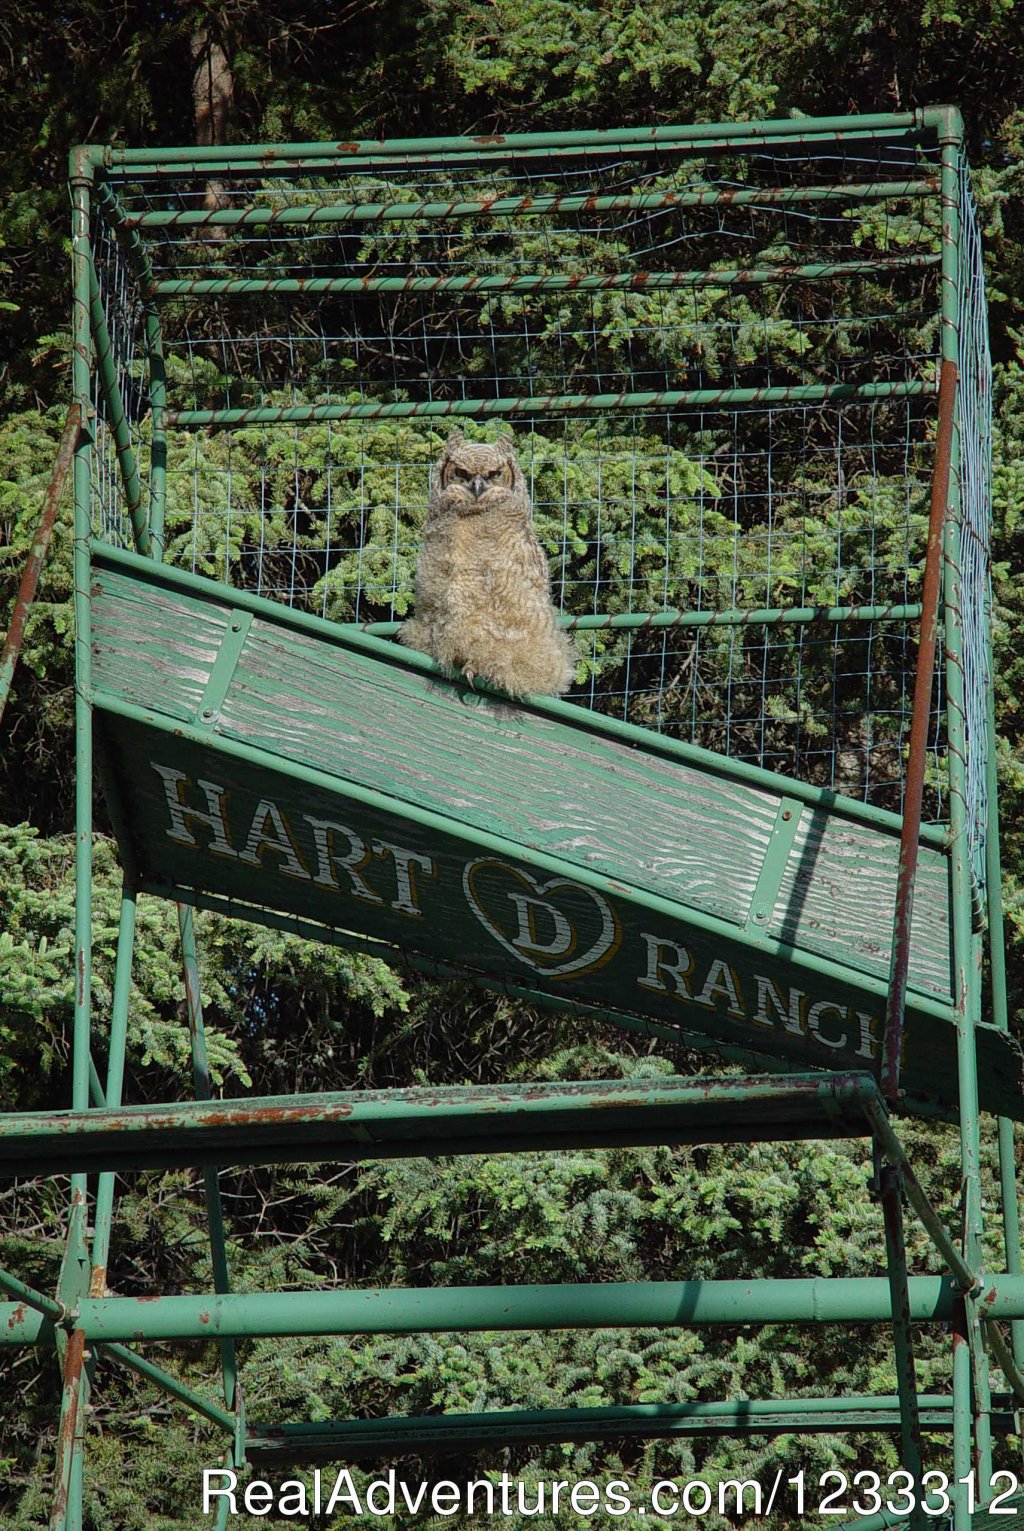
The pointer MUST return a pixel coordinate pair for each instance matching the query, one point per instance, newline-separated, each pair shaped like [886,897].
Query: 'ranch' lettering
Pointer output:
[670,969]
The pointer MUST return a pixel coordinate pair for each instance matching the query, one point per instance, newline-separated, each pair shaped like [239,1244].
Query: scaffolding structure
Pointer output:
[746,370]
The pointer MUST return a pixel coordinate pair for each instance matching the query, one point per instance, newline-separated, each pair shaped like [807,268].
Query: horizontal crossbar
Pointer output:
[475,1310]
[269,1445]
[377,1124]
[260,158]
[619,281]
[540,206]
[557,403]
[763,616]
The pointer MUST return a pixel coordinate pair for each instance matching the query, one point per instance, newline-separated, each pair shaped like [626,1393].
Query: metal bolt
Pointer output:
[207,712]
[786,813]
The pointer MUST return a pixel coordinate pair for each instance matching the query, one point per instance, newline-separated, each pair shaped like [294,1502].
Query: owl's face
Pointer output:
[474,476]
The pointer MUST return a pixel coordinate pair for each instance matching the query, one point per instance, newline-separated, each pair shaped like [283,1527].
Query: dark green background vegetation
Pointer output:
[286,1016]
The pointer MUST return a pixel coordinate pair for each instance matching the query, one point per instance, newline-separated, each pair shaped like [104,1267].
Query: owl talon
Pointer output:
[469,674]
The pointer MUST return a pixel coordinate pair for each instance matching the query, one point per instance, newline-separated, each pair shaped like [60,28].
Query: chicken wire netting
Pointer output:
[719,372]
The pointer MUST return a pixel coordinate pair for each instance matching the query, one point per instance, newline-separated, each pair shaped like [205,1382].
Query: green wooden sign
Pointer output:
[255,758]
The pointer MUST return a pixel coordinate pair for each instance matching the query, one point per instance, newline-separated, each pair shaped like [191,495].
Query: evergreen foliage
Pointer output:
[285,1016]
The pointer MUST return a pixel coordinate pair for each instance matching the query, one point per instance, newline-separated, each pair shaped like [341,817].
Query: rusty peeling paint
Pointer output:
[74,1357]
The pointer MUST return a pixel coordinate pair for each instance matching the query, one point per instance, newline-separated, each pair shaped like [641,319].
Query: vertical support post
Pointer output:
[201,1077]
[67,1508]
[962,1458]
[72,1284]
[891,1191]
[158,438]
[81,184]
[1000,1013]
[965,972]
[146,276]
[76,1488]
[913,796]
[117,421]
[69,1443]
[115,1082]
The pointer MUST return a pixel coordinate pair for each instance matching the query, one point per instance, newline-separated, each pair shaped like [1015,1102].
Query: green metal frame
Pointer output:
[100,1135]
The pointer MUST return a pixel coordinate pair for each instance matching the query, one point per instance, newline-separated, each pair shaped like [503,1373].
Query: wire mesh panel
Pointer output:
[717,361]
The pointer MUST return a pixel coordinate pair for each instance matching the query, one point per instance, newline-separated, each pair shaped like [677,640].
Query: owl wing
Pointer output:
[537,572]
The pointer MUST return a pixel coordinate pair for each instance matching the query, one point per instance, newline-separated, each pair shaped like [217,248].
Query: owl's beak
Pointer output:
[478,486]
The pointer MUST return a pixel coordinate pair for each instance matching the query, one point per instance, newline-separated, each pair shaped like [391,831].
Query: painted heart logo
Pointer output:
[558,928]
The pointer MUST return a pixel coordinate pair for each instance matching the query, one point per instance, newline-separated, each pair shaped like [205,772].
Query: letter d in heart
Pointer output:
[558,928]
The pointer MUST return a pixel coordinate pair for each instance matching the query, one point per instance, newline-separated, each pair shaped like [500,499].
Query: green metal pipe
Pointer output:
[69,1434]
[962,1458]
[966,952]
[23,1293]
[97,1094]
[918,746]
[903,1334]
[1009,1204]
[483,840]
[103,1215]
[540,206]
[430,1310]
[698,399]
[138,254]
[762,616]
[81,265]
[350,636]
[811,139]
[81,178]
[431,1121]
[886,1518]
[169,1384]
[962,1273]
[211,1183]
[643,281]
[76,1489]
[116,419]
[1005,1359]
[274,1444]
[231,1460]
[758,133]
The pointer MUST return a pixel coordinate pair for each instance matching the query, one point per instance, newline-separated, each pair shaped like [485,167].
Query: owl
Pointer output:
[483,597]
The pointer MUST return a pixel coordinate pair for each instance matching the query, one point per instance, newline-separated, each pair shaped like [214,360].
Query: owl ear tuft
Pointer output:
[456,438]
[506,444]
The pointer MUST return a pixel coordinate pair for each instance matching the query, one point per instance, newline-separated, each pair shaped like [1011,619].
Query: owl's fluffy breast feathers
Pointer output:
[483,601]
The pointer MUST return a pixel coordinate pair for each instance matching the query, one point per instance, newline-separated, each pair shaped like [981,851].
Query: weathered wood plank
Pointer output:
[596,802]
[149,642]
[372,797]
[838,893]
